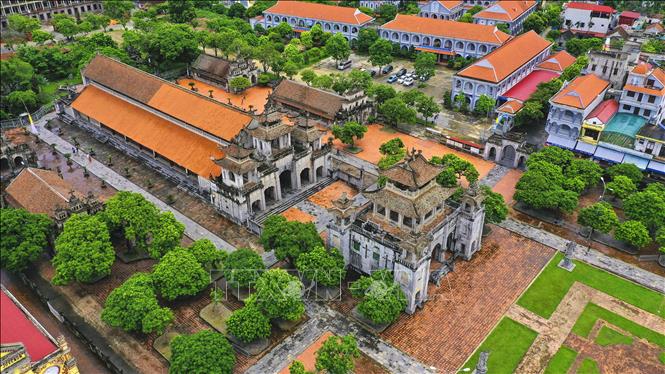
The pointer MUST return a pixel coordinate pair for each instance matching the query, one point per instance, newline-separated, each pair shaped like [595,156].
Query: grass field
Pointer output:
[562,361]
[545,294]
[607,336]
[588,366]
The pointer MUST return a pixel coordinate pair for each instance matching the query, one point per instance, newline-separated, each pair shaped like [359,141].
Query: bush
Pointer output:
[633,233]
[243,267]
[382,299]
[202,352]
[248,324]
[178,274]
[266,79]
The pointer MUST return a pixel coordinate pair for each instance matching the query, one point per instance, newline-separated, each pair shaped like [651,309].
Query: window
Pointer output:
[232,177]
[616,71]
[651,99]
[631,94]
[407,221]
[604,69]
[394,216]
[650,82]
[647,112]
[593,67]
[626,107]
[356,245]
[376,256]
[380,209]
[639,97]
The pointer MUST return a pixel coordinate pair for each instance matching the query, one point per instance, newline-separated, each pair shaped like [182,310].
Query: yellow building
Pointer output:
[26,347]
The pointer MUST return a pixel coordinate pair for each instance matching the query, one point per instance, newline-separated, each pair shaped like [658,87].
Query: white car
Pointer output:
[400,80]
[408,82]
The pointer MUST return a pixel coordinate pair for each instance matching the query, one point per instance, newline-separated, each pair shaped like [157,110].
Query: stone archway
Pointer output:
[450,242]
[521,163]
[437,252]
[256,206]
[304,177]
[319,172]
[285,181]
[508,156]
[269,195]
[492,153]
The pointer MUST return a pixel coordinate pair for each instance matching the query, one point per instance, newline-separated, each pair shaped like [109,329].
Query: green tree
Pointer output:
[503,27]
[424,64]
[41,37]
[290,69]
[132,213]
[338,48]
[633,233]
[653,46]
[166,235]
[395,111]
[289,239]
[337,355]
[531,113]
[382,299]
[647,207]
[181,11]
[18,101]
[621,187]
[496,209]
[278,295]
[660,239]
[297,367]
[349,132]
[553,155]
[171,43]
[586,170]
[366,37]
[541,187]
[577,46]
[324,267]
[178,273]
[96,20]
[65,25]
[459,166]
[23,238]
[243,267]
[629,170]
[484,105]
[381,92]
[83,251]
[119,10]
[202,352]
[128,305]
[157,320]
[237,10]
[599,216]
[16,75]
[248,324]
[23,24]
[386,12]
[534,22]
[207,254]
[308,76]
[392,147]
[380,53]
[426,106]
[239,84]
[323,81]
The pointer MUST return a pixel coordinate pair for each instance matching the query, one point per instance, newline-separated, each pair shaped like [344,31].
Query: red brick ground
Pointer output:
[470,301]
[506,185]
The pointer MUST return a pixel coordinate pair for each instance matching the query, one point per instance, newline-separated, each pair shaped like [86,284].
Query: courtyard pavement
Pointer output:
[252,98]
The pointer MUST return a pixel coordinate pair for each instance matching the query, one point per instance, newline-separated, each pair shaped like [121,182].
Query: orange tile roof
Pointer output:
[642,68]
[175,143]
[503,61]
[659,74]
[322,12]
[39,191]
[447,29]
[505,10]
[181,103]
[558,62]
[581,91]
[649,91]
[450,4]
[510,107]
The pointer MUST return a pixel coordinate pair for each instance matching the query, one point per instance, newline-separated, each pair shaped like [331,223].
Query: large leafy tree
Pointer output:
[338,47]
[289,238]
[119,10]
[23,24]
[181,11]
[248,324]
[337,355]
[424,64]
[349,132]
[166,235]
[457,166]
[534,22]
[83,251]
[207,254]
[366,38]
[628,170]
[178,274]
[633,233]
[172,43]
[621,186]
[134,215]
[382,299]
[65,25]
[648,207]
[484,105]
[324,267]
[554,155]
[381,93]
[587,171]
[380,53]
[133,306]
[395,111]
[243,267]
[599,216]
[496,209]
[426,106]
[23,238]
[541,187]
[202,352]
[278,295]
[16,75]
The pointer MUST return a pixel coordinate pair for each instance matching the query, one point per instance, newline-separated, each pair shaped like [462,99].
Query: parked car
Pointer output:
[342,65]
[401,72]
[387,69]
[372,72]
[408,82]
[392,78]
[424,78]
[400,80]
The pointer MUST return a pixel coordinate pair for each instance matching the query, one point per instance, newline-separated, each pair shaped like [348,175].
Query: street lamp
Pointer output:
[604,188]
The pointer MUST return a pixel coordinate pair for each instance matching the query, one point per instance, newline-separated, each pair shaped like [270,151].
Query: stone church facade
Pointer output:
[406,224]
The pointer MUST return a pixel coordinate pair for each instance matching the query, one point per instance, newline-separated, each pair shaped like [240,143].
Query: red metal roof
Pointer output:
[629,14]
[591,7]
[528,85]
[605,110]
[16,327]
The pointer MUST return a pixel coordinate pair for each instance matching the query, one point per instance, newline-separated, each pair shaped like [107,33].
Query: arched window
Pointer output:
[459,45]
[345,28]
[405,37]
[483,48]
[448,44]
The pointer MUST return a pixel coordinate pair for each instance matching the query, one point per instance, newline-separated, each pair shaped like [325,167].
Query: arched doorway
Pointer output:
[18,161]
[492,154]
[269,195]
[450,242]
[256,206]
[436,252]
[508,156]
[521,163]
[304,177]
[4,164]
[285,181]
[319,172]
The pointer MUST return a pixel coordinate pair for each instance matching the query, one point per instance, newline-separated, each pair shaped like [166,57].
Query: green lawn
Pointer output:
[507,343]
[546,292]
[561,361]
[51,88]
[607,336]
[661,357]
[593,312]
[588,366]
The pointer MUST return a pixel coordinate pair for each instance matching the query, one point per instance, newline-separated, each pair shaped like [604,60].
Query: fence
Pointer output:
[23,121]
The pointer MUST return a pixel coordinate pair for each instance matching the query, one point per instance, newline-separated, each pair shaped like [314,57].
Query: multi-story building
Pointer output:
[27,347]
[447,39]
[513,13]
[303,15]
[644,93]
[219,72]
[44,10]
[589,19]
[612,66]
[442,9]
[376,4]
[502,69]
[406,224]
[570,106]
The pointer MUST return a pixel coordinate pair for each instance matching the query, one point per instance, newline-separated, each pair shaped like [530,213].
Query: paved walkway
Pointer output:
[590,256]
[192,229]
[325,319]
[495,175]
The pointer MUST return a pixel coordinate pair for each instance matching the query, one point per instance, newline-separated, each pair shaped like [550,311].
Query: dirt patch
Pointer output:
[326,196]
[295,214]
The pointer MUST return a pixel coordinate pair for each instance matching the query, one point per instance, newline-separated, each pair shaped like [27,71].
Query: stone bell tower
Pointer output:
[470,222]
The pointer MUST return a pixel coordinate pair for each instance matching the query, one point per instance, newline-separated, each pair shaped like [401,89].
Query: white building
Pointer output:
[500,70]
[589,19]
[442,37]
[644,93]
[303,15]
[442,9]
[513,13]
[376,4]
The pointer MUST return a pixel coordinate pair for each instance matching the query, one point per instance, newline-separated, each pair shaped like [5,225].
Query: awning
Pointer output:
[585,148]
[560,141]
[608,155]
[656,166]
[434,50]
[637,161]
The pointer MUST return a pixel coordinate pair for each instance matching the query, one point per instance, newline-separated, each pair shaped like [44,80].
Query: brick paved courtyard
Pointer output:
[470,301]
[253,98]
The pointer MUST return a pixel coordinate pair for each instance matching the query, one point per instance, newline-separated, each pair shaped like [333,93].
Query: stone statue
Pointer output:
[481,367]
[567,262]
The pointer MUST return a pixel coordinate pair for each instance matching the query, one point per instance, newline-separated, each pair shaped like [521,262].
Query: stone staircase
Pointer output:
[291,200]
